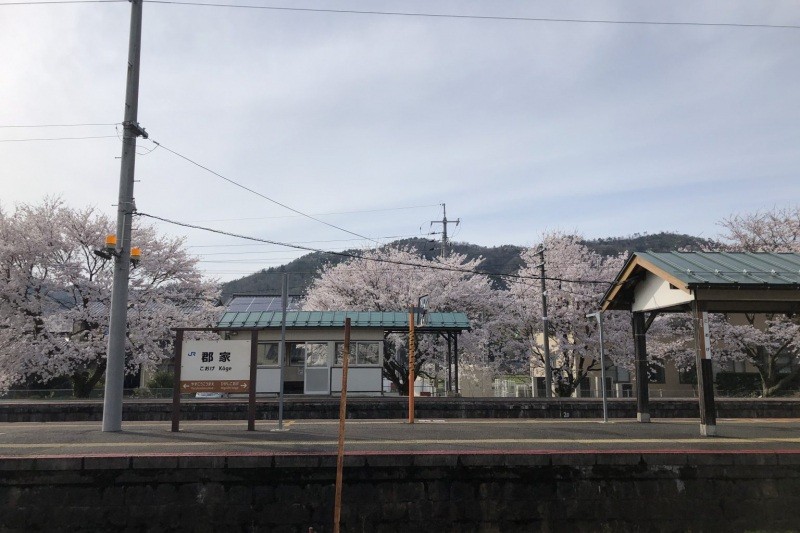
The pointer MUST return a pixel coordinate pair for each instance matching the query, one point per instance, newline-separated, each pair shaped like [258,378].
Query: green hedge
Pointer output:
[746,384]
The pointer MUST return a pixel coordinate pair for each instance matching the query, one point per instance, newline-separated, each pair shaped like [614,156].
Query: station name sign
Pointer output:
[215,366]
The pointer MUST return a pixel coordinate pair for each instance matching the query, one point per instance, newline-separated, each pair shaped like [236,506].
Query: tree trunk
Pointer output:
[775,384]
[398,373]
[83,383]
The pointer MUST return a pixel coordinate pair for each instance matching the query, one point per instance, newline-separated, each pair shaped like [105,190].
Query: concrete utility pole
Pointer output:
[118,322]
[548,373]
[282,345]
[412,344]
[444,223]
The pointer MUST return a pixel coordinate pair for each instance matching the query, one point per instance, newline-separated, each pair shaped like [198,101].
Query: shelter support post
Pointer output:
[176,390]
[705,374]
[449,364]
[642,378]
[455,357]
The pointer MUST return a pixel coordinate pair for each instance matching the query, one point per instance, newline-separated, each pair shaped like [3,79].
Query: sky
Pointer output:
[370,122]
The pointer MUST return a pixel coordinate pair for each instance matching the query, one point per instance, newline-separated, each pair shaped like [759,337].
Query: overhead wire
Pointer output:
[477,17]
[40,126]
[59,125]
[303,242]
[265,197]
[362,257]
[58,138]
[318,214]
[420,14]
[47,2]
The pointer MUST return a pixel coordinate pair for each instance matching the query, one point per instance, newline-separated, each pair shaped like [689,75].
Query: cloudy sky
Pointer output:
[369,122]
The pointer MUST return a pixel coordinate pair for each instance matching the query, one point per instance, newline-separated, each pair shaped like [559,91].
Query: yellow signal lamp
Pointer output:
[111,242]
[136,255]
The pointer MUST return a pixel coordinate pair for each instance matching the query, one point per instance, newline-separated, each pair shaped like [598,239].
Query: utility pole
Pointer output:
[412,342]
[548,373]
[282,345]
[118,322]
[444,223]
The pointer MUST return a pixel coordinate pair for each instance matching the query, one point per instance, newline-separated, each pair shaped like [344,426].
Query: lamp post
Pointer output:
[599,316]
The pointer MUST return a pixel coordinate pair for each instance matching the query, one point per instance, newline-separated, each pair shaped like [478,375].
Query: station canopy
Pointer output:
[718,281]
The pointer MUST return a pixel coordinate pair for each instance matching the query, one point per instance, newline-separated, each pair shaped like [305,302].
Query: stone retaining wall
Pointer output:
[400,493]
[394,407]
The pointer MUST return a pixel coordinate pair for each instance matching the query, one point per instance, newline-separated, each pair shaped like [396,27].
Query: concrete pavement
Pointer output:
[501,436]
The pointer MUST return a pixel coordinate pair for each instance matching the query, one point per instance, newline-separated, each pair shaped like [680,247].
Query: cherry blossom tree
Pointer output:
[392,279]
[769,342]
[55,296]
[576,279]
[776,230]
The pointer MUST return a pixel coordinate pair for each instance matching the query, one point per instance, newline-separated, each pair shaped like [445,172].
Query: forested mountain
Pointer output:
[503,259]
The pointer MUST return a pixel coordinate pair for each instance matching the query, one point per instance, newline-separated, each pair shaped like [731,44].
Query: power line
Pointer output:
[243,253]
[311,242]
[265,197]
[481,17]
[253,259]
[374,259]
[58,139]
[59,125]
[319,214]
[47,2]
[250,259]
[429,15]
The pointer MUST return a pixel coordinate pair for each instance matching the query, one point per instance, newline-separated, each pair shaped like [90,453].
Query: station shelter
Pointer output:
[699,283]
[314,347]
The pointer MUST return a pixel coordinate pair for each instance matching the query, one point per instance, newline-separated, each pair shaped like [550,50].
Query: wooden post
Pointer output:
[705,374]
[337,506]
[449,364]
[411,362]
[251,400]
[176,381]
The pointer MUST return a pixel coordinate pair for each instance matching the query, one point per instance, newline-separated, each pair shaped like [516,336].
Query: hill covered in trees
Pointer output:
[503,259]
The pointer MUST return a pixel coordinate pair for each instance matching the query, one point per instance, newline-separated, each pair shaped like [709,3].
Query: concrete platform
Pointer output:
[78,439]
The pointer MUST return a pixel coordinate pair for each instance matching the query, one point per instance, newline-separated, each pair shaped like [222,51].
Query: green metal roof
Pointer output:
[335,319]
[776,274]
[728,268]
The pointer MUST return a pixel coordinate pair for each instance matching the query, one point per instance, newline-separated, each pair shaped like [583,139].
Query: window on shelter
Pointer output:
[267,354]
[295,353]
[361,353]
[368,353]
[316,353]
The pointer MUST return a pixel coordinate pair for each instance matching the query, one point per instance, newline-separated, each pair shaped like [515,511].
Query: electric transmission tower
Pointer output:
[444,222]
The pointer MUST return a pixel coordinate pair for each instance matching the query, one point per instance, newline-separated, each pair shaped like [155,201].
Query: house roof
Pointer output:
[387,321]
[750,274]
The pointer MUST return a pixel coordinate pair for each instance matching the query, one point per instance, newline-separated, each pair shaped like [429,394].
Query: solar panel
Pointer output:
[248,304]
